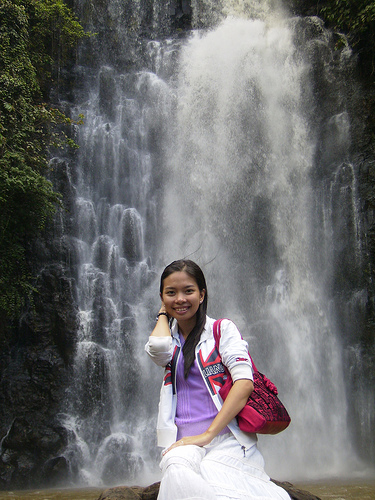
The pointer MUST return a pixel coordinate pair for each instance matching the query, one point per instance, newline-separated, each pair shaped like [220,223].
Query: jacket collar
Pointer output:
[174,330]
[207,332]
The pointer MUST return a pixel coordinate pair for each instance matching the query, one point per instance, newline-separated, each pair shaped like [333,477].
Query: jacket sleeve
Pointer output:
[234,352]
[160,350]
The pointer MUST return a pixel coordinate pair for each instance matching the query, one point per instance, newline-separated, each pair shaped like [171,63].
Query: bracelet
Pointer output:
[162,314]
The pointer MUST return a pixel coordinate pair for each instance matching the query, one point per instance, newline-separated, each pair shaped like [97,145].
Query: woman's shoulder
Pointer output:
[229,331]
[226,325]
[224,322]
[209,322]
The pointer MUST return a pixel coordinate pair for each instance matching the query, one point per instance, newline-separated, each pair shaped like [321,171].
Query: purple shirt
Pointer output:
[195,408]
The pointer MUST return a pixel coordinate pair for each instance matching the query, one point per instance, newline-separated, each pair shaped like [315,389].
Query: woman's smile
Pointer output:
[181,310]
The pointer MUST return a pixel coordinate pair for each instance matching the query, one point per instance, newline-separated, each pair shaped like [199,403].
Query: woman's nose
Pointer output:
[180,297]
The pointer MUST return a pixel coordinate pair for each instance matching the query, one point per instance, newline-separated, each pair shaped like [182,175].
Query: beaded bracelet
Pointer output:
[161,314]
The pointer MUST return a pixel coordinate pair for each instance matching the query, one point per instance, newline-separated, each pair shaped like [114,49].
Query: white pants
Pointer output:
[221,470]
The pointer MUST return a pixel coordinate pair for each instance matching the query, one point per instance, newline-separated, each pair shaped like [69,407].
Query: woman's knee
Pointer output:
[189,456]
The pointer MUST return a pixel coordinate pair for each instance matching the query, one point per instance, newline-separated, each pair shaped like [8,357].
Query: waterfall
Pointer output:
[209,146]
[240,200]
[108,410]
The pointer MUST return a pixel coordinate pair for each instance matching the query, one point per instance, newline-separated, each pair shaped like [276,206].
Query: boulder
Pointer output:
[296,493]
[131,493]
[151,492]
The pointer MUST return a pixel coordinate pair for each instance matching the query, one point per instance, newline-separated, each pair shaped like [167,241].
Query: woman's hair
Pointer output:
[192,340]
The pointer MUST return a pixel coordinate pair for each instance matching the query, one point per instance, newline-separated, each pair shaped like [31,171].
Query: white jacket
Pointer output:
[164,351]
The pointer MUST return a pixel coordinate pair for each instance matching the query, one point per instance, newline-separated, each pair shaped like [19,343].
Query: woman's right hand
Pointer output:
[162,309]
[162,323]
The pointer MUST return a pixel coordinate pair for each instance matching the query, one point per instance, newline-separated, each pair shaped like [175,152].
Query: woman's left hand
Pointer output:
[233,404]
[198,440]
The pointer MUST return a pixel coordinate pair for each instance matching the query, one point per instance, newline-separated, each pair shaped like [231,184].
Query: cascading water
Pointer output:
[115,209]
[206,148]
[240,199]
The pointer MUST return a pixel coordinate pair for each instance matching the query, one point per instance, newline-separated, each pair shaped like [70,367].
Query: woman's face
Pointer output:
[181,296]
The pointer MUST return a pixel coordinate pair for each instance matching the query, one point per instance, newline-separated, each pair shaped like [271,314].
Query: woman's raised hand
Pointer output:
[162,323]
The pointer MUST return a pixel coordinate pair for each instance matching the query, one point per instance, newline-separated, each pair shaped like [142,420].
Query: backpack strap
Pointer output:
[217,335]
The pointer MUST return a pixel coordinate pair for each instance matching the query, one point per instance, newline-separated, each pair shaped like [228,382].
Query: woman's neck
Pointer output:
[185,327]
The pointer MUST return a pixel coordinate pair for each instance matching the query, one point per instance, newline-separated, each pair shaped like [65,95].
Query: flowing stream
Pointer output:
[209,147]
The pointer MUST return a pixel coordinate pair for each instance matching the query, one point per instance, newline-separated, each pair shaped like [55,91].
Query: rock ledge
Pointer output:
[151,492]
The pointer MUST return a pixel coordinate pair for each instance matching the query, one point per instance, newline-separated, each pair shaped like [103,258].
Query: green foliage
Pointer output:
[356,20]
[351,17]
[54,32]
[35,37]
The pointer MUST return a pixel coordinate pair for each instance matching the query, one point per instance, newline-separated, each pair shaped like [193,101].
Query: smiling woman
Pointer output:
[198,431]
[185,274]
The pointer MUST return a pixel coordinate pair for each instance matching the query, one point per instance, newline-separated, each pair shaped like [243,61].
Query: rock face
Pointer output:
[35,366]
[33,377]
[151,492]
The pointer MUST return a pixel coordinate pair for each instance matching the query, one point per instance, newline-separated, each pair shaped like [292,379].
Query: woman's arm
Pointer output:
[159,346]
[162,324]
[234,353]
[233,404]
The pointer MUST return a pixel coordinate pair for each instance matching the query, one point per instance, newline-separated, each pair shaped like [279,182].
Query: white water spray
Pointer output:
[207,152]
[240,201]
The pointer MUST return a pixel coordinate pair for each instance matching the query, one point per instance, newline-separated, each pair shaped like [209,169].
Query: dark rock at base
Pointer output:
[296,493]
[151,492]
[57,471]
[131,493]
[119,493]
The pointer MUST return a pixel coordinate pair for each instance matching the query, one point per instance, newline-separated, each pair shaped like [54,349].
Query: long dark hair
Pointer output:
[192,340]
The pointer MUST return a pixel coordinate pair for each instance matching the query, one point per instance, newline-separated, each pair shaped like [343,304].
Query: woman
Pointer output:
[206,456]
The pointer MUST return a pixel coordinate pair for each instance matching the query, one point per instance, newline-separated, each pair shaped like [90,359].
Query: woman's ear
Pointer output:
[202,294]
